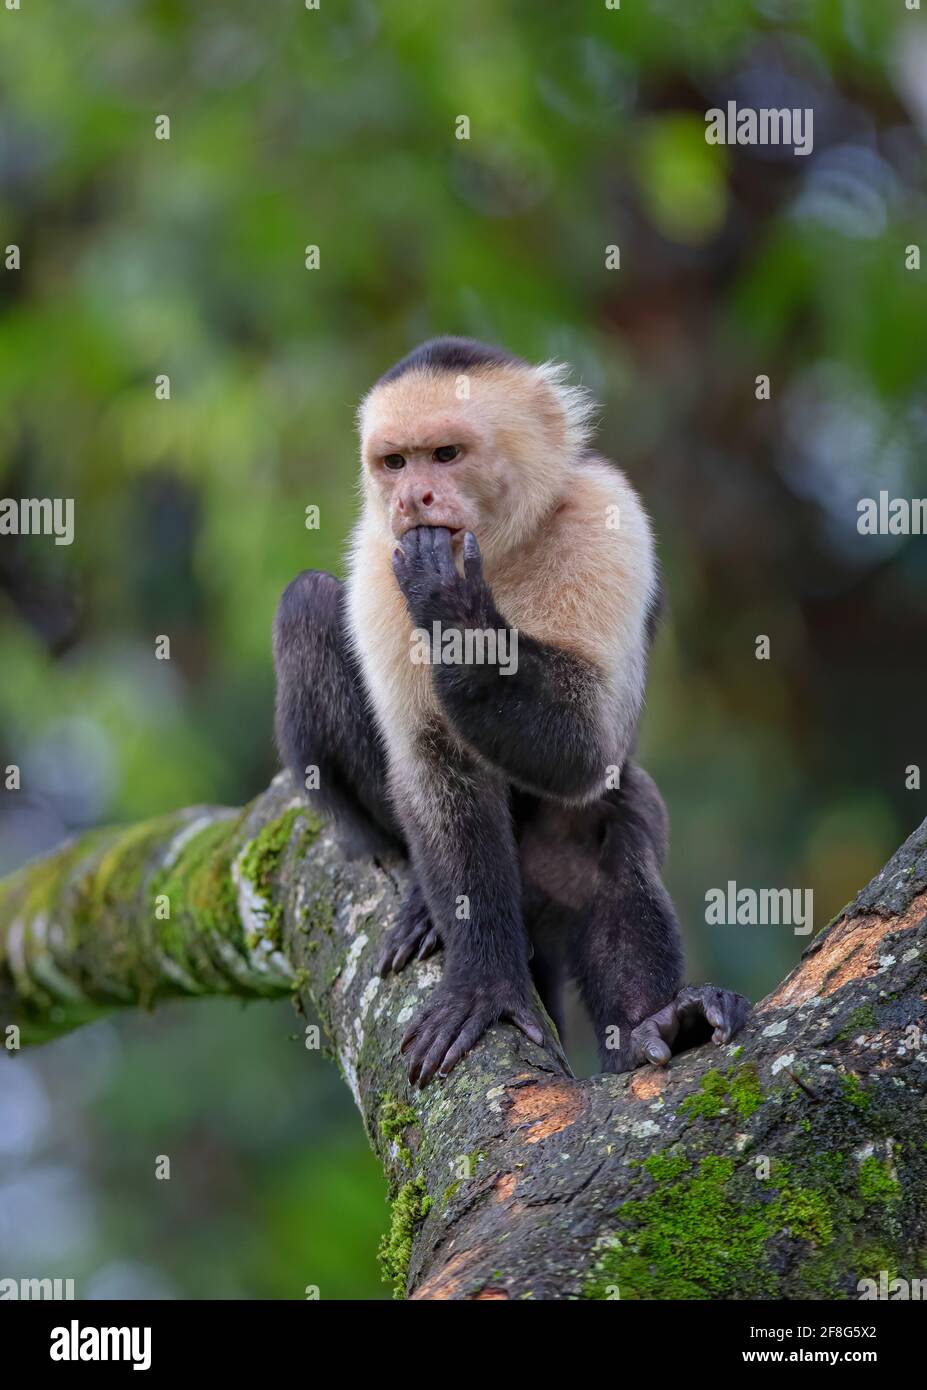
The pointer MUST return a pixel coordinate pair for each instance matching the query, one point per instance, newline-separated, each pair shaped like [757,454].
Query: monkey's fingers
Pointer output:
[466,1040]
[473,560]
[652,1040]
[394,952]
[420,1030]
[442,552]
[412,1032]
[714,1014]
[413,935]
[430,943]
[411,542]
[476,1025]
[395,955]
[428,546]
[525,1020]
[417,1054]
[728,1016]
[400,566]
[721,1010]
[453,1025]
[433,1033]
[452,1032]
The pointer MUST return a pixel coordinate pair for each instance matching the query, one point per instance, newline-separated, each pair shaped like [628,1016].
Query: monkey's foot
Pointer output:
[698,1012]
[454,1020]
[413,934]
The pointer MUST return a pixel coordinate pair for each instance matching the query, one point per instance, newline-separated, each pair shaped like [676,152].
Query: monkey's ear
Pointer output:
[579,406]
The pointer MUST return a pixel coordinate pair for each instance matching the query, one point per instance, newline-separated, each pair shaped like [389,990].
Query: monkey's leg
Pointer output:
[324,730]
[547,973]
[628,955]
[459,828]
[549,858]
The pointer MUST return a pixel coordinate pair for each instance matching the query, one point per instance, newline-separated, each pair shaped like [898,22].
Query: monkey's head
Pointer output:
[466,436]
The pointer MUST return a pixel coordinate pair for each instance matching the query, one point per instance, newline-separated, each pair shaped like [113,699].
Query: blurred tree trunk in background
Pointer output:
[788,1164]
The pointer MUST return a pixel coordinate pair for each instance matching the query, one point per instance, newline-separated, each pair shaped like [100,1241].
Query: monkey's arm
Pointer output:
[541,725]
[458,827]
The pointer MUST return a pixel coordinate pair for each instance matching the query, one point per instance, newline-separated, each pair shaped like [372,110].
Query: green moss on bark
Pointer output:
[738,1089]
[394,1119]
[260,862]
[409,1208]
[859,1021]
[261,859]
[709,1100]
[854,1092]
[687,1239]
[105,922]
[745,1089]
[877,1182]
[199,889]
[712,1227]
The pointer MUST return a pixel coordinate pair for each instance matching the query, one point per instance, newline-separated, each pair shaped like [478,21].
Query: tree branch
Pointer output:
[789,1164]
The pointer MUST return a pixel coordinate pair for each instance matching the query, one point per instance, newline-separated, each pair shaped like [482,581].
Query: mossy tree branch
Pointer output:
[789,1164]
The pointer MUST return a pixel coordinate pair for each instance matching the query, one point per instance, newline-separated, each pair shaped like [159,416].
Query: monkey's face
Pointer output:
[428,461]
[484,452]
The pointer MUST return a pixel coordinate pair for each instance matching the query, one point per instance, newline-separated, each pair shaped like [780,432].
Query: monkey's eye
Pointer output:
[394,462]
[446,453]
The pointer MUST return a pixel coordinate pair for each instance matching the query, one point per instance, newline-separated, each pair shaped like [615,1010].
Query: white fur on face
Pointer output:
[519,428]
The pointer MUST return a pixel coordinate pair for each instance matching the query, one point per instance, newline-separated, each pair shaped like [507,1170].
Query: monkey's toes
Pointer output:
[697,1014]
[431,1036]
[452,1024]
[652,1040]
[413,935]
[723,1011]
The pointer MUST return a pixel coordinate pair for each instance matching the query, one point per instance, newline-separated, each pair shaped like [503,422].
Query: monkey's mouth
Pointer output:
[455,532]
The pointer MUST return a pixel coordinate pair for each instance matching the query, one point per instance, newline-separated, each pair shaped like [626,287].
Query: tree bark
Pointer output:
[791,1163]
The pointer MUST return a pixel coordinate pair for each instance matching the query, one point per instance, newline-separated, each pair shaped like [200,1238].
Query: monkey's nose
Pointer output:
[427,499]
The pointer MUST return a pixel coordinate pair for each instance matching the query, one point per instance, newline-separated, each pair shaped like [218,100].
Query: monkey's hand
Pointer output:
[427,575]
[413,935]
[697,1013]
[455,1018]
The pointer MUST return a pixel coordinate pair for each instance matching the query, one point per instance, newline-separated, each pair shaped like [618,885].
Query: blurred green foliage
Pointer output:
[336,128]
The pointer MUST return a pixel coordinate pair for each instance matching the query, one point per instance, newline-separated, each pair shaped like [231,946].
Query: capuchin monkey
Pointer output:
[535,841]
